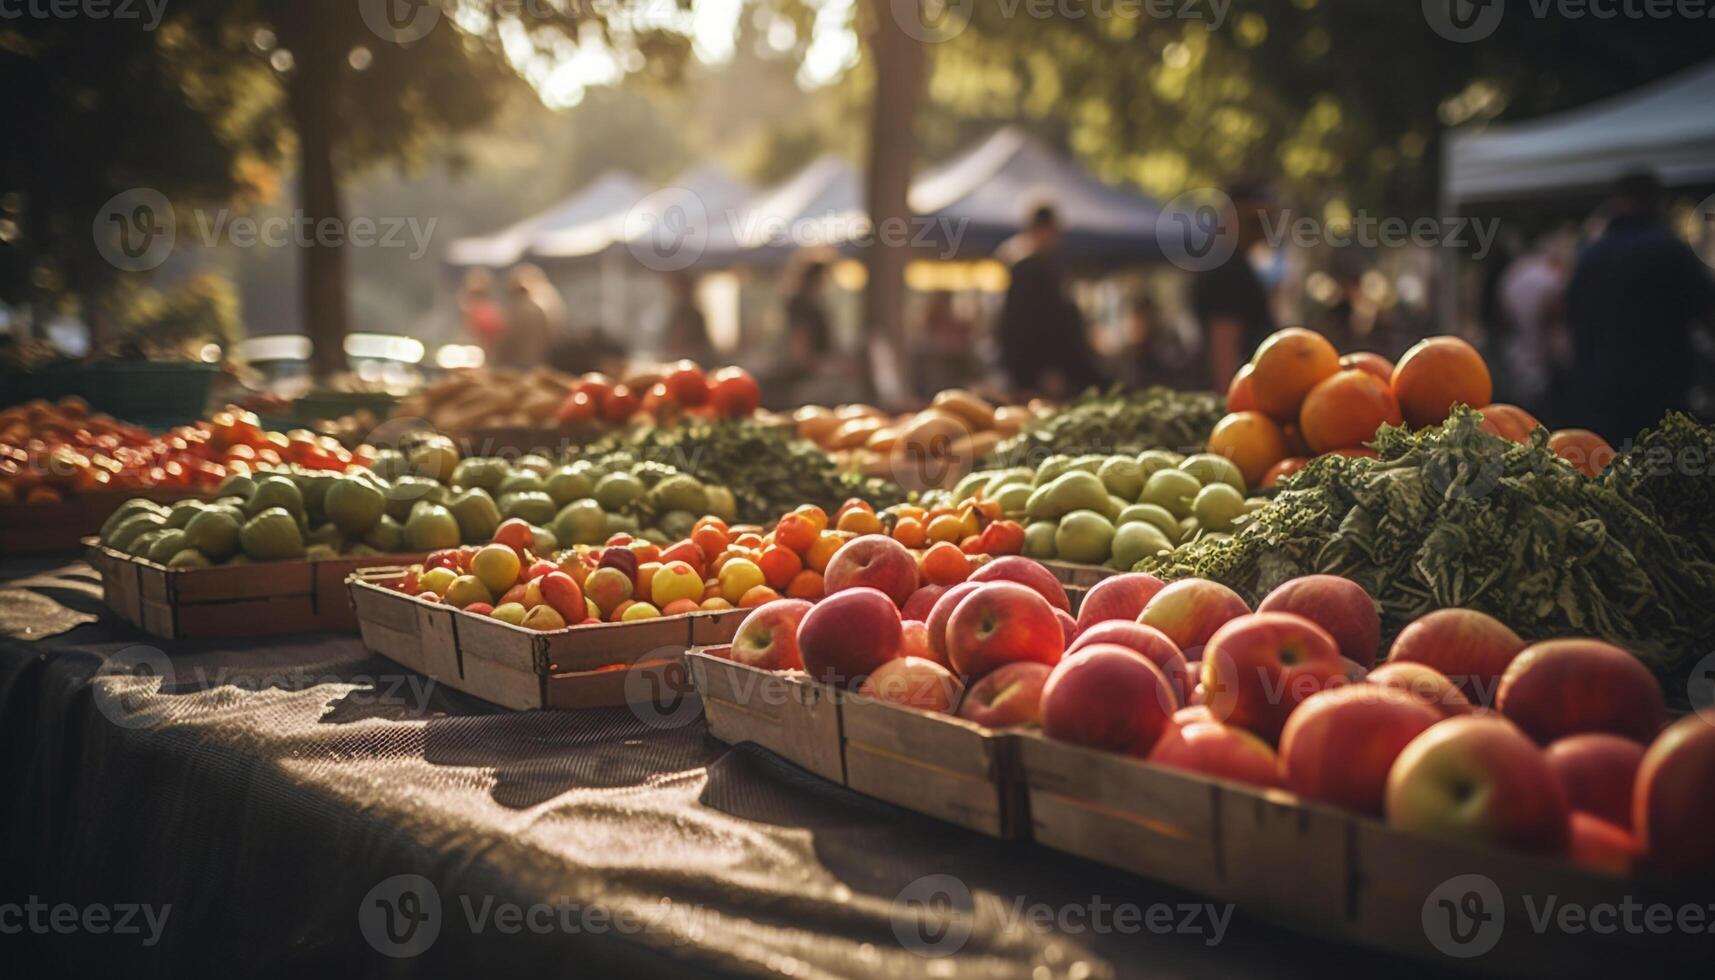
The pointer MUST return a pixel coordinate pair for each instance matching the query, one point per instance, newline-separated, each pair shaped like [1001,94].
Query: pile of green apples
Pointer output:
[1115,510]
[414,500]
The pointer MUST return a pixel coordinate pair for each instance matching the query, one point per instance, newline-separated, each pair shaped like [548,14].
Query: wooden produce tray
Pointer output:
[36,529]
[606,665]
[258,599]
[1076,575]
[1341,875]
[787,714]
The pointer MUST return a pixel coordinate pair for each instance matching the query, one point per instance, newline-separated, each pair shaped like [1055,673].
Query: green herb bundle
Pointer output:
[1454,516]
[1116,422]
[769,471]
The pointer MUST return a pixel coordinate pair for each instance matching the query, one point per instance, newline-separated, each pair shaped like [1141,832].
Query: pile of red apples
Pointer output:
[1466,732]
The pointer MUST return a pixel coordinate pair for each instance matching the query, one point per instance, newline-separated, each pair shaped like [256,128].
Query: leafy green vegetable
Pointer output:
[1454,516]
[1116,422]
[1670,473]
[769,471]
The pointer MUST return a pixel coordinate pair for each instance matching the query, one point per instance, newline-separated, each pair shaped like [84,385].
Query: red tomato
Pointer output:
[578,408]
[734,393]
[685,384]
[619,404]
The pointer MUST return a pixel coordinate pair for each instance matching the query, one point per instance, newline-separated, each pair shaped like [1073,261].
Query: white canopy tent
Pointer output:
[611,194]
[1666,128]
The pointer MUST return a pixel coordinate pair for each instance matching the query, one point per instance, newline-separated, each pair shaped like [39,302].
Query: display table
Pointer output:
[273,792]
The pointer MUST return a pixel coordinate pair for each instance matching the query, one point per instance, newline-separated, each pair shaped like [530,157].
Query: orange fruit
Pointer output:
[947,527]
[1240,397]
[805,585]
[797,532]
[822,552]
[1346,409]
[1252,440]
[779,564]
[1282,470]
[945,564]
[909,532]
[859,521]
[1286,366]
[815,515]
[756,596]
[1588,452]
[712,539]
[1437,374]
[1508,422]
[1364,360]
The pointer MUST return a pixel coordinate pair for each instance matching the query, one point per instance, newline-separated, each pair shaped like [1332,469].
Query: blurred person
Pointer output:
[1149,353]
[686,333]
[484,321]
[945,347]
[535,319]
[1530,328]
[1230,301]
[1636,295]
[809,334]
[1043,347]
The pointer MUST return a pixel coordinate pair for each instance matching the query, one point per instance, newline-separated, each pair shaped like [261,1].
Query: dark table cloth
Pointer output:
[297,807]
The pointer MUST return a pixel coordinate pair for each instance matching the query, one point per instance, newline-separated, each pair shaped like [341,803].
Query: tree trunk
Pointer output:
[900,62]
[312,98]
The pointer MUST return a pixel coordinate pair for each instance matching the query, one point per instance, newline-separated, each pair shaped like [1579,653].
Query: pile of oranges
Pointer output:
[1299,398]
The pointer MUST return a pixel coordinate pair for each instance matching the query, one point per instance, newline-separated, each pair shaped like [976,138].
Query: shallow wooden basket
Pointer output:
[785,713]
[34,529]
[257,599]
[606,665]
[1340,875]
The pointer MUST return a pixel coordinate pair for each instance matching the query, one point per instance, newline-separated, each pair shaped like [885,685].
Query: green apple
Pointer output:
[430,527]
[387,537]
[1039,540]
[567,484]
[1217,506]
[476,514]
[618,490]
[532,506]
[1173,490]
[1123,476]
[1136,541]
[272,535]
[580,522]
[275,491]
[214,532]
[1084,536]
[1212,468]
[354,505]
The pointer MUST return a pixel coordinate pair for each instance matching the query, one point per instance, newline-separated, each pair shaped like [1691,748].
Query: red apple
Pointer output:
[1190,610]
[1259,667]
[1674,797]
[1147,640]
[1426,684]
[1108,697]
[1194,713]
[1118,597]
[1008,695]
[922,603]
[768,637]
[914,682]
[873,561]
[999,623]
[1024,571]
[942,613]
[1210,748]
[1339,745]
[1068,627]
[1600,846]
[1338,605]
[563,593]
[1564,687]
[846,636]
[1478,778]
[1597,772]
[914,642]
[1471,648]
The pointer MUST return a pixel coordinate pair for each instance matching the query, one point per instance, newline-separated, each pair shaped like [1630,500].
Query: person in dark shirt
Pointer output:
[1636,294]
[686,333]
[1041,332]
[1231,304]
[808,333]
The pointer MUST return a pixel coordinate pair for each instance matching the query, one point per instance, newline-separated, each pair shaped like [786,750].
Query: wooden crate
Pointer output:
[785,713]
[1073,574]
[259,599]
[605,665]
[934,764]
[35,529]
[1341,875]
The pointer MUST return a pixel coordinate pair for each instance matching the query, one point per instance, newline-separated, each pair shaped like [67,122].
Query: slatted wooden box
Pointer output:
[1342,875]
[257,599]
[605,665]
[783,712]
